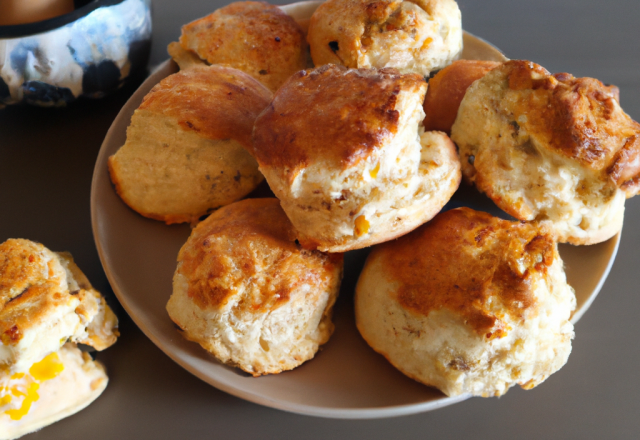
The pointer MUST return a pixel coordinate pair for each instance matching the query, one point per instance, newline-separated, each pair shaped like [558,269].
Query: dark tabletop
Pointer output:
[46,163]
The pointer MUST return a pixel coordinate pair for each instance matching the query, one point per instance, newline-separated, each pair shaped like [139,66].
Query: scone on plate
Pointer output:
[419,36]
[255,37]
[345,152]
[550,148]
[446,90]
[186,148]
[47,305]
[468,303]
[247,292]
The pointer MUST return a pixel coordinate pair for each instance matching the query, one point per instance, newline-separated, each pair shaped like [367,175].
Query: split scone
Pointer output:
[255,37]
[468,303]
[550,148]
[249,294]
[45,301]
[46,306]
[185,152]
[56,387]
[345,152]
[419,36]
[446,90]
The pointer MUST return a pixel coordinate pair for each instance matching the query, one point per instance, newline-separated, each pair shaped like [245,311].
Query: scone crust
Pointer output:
[468,303]
[585,146]
[255,37]
[248,293]
[418,36]
[186,149]
[330,114]
[217,102]
[446,90]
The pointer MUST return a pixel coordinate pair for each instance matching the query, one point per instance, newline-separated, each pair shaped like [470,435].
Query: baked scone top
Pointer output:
[471,257]
[217,102]
[255,37]
[331,114]
[250,245]
[580,118]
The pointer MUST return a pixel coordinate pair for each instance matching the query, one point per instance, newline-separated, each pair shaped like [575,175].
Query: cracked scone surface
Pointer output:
[45,300]
[255,37]
[186,148]
[468,303]
[550,148]
[249,294]
[412,36]
[345,152]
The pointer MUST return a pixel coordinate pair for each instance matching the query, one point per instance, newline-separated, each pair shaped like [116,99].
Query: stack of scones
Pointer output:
[363,123]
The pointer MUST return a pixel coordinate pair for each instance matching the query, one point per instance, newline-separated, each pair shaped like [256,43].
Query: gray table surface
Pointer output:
[46,164]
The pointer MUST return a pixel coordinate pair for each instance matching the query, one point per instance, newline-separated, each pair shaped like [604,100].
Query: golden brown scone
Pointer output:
[412,36]
[446,90]
[550,148]
[56,387]
[249,294]
[468,303]
[45,300]
[184,58]
[185,153]
[345,153]
[255,37]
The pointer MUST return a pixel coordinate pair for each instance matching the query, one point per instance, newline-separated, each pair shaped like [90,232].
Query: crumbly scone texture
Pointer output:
[247,292]
[45,300]
[344,151]
[412,36]
[185,152]
[68,382]
[550,148]
[255,37]
[468,303]
[446,90]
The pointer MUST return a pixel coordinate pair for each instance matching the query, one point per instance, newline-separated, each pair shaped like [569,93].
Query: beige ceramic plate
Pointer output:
[346,379]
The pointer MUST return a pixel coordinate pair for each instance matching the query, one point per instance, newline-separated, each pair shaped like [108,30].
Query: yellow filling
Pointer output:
[374,172]
[362,226]
[48,368]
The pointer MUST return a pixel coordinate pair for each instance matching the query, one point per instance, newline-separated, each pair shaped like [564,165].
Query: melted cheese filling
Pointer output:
[20,391]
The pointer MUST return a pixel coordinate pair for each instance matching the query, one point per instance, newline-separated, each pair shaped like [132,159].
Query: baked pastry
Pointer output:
[249,294]
[45,301]
[468,303]
[345,153]
[419,36]
[446,90]
[550,148]
[255,37]
[46,306]
[56,387]
[185,153]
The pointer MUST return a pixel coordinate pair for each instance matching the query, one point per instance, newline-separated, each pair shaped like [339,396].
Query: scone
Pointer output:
[249,294]
[446,90]
[185,152]
[47,305]
[45,301]
[550,148]
[56,387]
[345,152]
[255,37]
[468,303]
[412,36]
